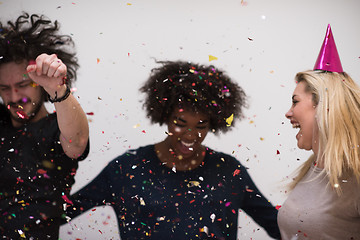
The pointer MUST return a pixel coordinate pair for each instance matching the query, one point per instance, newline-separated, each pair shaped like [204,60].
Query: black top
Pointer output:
[152,201]
[35,177]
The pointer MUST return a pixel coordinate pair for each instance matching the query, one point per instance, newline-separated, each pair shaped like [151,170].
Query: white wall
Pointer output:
[261,44]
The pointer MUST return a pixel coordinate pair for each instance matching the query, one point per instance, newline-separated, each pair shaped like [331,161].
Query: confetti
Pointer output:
[193,184]
[22,115]
[97,60]
[41,171]
[67,200]
[229,120]
[212,58]
[22,234]
[236,172]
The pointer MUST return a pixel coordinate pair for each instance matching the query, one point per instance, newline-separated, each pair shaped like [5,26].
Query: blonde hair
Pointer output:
[337,98]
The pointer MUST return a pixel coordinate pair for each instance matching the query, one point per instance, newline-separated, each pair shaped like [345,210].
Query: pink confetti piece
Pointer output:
[67,200]
[22,115]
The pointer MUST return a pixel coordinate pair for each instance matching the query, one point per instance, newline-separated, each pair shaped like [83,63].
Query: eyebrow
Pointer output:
[17,84]
[184,121]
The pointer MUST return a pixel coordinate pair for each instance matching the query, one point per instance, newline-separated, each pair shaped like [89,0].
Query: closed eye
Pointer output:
[179,125]
[4,88]
[24,84]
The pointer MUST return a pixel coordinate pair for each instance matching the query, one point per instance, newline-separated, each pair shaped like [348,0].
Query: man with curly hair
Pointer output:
[179,188]
[39,151]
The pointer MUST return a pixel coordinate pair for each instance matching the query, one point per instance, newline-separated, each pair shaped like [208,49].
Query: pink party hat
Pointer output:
[328,59]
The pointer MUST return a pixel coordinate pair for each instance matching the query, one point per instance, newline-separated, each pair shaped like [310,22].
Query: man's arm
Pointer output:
[49,72]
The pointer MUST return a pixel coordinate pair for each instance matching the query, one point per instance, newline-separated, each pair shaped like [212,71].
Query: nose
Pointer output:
[289,113]
[15,95]
[191,134]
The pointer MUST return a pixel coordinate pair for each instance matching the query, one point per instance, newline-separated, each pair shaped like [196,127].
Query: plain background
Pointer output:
[260,44]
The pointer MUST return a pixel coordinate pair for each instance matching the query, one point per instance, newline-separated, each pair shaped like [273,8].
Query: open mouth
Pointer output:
[186,148]
[21,114]
[188,145]
[295,124]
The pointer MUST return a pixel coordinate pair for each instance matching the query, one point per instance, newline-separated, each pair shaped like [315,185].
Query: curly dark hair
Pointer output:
[30,36]
[201,88]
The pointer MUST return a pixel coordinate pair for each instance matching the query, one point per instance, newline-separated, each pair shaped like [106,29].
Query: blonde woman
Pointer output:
[325,199]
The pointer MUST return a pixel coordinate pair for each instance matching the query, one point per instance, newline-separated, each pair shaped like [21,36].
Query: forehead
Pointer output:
[189,115]
[300,88]
[12,72]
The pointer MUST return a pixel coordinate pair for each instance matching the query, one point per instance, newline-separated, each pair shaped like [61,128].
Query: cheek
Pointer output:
[202,134]
[175,131]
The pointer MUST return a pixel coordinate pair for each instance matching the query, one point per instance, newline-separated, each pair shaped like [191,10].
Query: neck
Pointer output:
[167,155]
[319,159]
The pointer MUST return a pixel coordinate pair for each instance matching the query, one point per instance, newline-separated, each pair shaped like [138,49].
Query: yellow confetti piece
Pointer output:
[129,4]
[229,120]
[22,234]
[251,122]
[34,84]
[262,139]
[136,126]
[193,184]
[212,58]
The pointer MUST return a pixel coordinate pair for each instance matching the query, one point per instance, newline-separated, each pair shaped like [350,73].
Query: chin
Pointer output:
[307,148]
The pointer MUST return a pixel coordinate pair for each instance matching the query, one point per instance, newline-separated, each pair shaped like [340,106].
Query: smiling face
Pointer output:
[182,148]
[21,96]
[302,115]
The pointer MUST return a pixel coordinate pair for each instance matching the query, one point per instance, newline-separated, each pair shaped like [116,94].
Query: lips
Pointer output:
[295,124]
[18,109]
[21,114]
[186,148]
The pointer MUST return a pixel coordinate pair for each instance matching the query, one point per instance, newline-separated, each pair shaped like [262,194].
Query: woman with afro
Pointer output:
[179,188]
